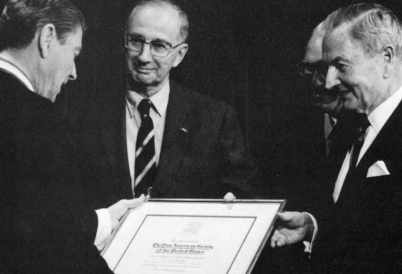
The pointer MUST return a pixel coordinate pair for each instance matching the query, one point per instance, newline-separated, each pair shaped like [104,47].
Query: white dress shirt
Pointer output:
[104,223]
[133,123]
[377,118]
[8,65]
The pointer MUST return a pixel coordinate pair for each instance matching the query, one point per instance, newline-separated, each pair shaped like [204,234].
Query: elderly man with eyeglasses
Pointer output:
[313,70]
[336,125]
[323,134]
[331,131]
[155,137]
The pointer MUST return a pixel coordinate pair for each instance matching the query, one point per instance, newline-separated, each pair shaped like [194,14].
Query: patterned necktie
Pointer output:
[359,140]
[145,159]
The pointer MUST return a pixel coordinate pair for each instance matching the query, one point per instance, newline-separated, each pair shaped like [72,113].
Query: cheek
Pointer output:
[164,66]
[130,59]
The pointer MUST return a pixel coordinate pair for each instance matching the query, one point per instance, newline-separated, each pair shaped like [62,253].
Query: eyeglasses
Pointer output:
[159,49]
[307,69]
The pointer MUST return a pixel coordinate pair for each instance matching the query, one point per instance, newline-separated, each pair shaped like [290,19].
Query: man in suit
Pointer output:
[336,125]
[322,134]
[360,233]
[45,225]
[197,150]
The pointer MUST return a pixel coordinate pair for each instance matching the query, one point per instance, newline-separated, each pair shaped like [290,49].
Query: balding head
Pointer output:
[314,45]
[320,97]
[182,19]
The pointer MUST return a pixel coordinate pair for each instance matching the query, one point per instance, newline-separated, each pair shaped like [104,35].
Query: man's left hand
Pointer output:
[118,210]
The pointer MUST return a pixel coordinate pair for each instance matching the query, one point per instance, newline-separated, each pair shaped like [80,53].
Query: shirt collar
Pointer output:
[380,115]
[159,100]
[8,65]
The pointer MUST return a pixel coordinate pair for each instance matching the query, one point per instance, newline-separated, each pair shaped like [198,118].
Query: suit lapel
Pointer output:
[114,138]
[383,143]
[179,127]
[380,149]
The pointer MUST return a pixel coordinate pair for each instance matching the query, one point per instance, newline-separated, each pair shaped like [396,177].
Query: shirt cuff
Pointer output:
[308,245]
[104,228]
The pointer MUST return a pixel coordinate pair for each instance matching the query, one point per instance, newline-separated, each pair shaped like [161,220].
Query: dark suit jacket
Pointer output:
[305,175]
[361,232]
[45,227]
[203,154]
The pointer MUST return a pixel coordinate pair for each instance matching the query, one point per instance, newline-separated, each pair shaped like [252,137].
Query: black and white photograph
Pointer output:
[110,107]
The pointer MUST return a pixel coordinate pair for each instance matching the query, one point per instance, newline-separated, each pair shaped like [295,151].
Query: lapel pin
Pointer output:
[184,129]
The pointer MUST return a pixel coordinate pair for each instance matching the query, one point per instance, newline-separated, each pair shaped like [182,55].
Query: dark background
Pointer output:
[241,51]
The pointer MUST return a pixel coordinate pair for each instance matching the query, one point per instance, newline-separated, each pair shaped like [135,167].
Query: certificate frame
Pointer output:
[192,236]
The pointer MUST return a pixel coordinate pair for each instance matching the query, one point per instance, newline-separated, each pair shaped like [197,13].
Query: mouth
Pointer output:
[143,70]
[324,99]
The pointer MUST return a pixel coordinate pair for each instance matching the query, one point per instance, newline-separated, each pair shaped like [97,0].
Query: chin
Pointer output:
[143,80]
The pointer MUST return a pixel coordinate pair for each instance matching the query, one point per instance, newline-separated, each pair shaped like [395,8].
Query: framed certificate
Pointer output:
[191,236]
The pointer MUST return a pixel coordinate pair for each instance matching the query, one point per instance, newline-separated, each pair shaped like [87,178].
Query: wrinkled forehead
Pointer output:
[156,18]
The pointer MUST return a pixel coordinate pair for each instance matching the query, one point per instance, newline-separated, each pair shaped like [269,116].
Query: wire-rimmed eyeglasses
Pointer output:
[307,69]
[158,48]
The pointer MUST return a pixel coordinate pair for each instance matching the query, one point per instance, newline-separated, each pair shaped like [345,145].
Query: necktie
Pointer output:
[359,140]
[145,159]
[329,139]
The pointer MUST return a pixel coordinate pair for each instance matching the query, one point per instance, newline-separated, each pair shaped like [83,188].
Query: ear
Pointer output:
[47,38]
[389,60]
[180,55]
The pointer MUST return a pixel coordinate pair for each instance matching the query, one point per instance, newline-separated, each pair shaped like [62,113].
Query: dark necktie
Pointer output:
[145,159]
[359,140]
[329,139]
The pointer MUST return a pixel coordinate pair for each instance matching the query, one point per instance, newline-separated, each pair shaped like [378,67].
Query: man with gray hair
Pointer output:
[361,233]
[151,136]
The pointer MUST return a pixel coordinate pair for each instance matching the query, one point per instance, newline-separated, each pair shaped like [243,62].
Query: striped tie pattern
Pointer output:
[145,159]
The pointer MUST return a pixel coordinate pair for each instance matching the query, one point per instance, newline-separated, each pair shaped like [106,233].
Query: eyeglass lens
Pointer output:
[157,48]
[307,69]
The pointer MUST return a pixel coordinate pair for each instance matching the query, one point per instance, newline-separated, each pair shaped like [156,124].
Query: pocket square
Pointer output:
[377,169]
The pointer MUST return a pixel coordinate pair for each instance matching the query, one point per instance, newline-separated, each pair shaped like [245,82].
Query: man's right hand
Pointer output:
[292,227]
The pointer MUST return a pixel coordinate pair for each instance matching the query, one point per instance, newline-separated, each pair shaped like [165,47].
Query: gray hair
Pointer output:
[183,20]
[371,25]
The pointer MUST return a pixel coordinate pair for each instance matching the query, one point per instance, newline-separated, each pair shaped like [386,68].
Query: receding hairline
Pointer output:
[316,39]
[349,23]
[160,5]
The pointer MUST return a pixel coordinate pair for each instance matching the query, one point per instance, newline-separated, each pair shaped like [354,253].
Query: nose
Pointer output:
[331,80]
[145,54]
[73,74]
